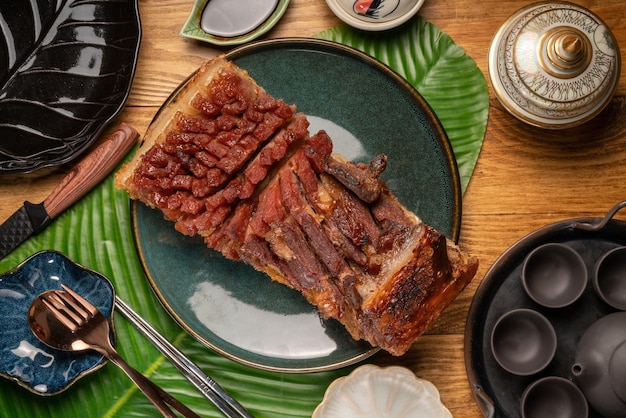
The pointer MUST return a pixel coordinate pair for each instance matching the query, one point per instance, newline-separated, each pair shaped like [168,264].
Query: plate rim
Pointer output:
[304,43]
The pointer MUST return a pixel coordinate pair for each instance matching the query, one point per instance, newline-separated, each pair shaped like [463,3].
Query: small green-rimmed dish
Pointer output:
[224,29]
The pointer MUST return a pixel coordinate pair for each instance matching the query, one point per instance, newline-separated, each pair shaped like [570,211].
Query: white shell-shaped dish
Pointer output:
[390,392]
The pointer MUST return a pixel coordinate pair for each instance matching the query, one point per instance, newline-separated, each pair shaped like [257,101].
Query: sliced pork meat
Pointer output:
[230,163]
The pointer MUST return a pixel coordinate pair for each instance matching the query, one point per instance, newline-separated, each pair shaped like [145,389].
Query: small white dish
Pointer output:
[375,15]
[372,391]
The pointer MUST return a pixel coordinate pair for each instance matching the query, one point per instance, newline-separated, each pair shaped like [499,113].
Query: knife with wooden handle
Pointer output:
[31,218]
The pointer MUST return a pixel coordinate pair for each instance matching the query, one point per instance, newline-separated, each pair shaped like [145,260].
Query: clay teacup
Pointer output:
[544,397]
[609,278]
[523,342]
[554,275]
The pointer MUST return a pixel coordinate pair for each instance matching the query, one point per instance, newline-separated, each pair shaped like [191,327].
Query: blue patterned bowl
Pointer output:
[25,359]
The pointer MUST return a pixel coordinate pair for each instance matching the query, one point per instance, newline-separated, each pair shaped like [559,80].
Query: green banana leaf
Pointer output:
[96,233]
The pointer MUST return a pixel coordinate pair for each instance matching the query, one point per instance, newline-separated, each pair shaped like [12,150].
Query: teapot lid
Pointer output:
[554,64]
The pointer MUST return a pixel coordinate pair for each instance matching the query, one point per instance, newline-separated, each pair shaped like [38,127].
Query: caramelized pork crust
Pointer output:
[232,164]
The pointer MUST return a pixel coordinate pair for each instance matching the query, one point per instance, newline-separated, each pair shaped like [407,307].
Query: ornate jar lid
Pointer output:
[554,64]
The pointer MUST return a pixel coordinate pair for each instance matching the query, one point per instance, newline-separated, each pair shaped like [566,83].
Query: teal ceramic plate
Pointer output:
[367,109]
[25,359]
[224,30]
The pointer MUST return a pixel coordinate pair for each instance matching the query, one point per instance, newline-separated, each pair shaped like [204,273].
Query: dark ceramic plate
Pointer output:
[241,313]
[25,359]
[498,392]
[66,70]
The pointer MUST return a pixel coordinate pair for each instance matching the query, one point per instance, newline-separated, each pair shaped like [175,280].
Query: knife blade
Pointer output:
[32,218]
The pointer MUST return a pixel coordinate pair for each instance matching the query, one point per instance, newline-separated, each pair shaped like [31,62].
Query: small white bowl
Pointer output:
[374,15]
[372,391]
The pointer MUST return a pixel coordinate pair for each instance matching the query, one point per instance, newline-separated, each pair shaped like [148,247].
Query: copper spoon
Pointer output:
[66,321]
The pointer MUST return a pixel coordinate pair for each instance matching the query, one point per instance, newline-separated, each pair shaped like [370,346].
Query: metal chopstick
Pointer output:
[214,392]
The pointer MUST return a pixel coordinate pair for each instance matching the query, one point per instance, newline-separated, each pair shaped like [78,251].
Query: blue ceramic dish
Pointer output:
[25,359]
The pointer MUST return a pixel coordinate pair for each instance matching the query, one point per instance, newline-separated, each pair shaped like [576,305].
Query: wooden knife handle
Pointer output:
[90,170]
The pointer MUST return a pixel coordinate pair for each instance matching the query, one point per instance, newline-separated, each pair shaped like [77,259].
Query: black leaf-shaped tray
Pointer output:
[66,69]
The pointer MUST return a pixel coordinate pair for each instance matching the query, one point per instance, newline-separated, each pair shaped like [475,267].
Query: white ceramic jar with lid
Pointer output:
[554,65]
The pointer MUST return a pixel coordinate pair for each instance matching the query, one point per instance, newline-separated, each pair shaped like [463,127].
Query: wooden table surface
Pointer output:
[525,177]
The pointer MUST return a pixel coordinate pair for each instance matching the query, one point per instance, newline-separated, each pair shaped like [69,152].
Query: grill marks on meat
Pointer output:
[242,172]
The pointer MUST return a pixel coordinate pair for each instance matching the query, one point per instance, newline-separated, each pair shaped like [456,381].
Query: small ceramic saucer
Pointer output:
[372,391]
[25,359]
[225,22]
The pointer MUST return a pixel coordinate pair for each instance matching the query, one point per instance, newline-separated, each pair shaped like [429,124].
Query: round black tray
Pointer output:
[497,391]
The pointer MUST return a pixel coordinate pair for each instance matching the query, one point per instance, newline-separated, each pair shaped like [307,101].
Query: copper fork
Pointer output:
[77,325]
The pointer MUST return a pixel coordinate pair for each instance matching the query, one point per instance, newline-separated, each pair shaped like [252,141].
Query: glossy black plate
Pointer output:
[498,392]
[66,69]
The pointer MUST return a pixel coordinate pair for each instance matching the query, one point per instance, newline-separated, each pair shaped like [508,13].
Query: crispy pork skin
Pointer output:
[227,161]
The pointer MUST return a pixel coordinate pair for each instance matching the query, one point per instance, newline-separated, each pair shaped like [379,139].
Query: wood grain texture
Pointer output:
[91,170]
[525,177]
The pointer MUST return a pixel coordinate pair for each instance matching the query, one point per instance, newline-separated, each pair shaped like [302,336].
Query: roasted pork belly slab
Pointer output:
[230,163]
